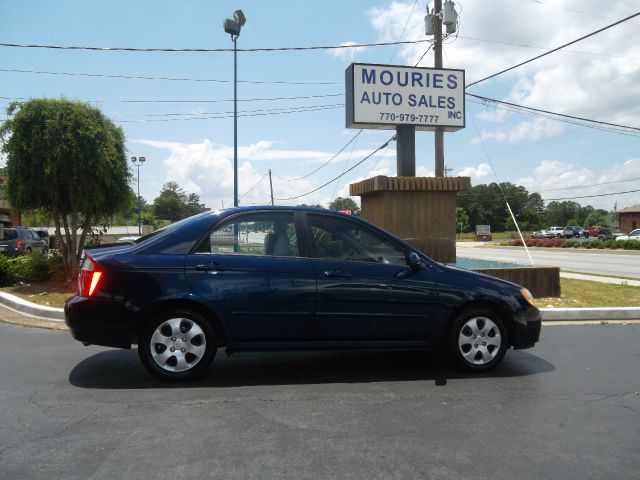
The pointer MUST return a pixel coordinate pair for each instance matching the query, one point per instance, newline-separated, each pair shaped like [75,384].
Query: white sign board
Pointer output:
[384,96]
[483,229]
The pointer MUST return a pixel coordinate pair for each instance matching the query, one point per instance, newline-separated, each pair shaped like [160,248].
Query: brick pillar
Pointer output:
[419,210]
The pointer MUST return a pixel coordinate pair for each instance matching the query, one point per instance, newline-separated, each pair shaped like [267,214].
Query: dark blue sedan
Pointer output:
[264,278]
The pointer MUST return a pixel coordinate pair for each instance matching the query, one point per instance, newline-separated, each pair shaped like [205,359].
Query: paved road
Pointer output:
[610,263]
[568,409]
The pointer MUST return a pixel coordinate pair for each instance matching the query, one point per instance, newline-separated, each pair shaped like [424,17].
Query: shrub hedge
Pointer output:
[29,268]
[539,242]
[558,242]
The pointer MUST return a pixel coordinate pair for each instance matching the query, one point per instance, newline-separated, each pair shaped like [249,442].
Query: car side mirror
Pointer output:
[414,261]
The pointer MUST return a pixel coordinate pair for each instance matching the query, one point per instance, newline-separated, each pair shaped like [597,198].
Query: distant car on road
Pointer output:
[130,239]
[554,232]
[539,234]
[633,235]
[18,241]
[602,233]
[573,231]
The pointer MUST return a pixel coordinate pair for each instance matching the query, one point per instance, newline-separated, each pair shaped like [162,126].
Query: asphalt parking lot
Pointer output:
[569,408]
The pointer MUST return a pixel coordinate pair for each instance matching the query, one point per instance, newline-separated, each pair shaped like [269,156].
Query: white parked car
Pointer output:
[634,235]
[129,239]
[554,232]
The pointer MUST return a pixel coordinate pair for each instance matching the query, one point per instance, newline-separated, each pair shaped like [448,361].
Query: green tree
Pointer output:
[193,204]
[462,220]
[68,160]
[598,217]
[345,204]
[171,204]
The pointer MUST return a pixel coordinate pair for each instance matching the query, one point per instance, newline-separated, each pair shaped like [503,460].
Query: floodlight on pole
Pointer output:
[138,161]
[233,27]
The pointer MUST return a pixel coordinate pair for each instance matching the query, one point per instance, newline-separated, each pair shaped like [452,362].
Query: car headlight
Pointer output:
[527,296]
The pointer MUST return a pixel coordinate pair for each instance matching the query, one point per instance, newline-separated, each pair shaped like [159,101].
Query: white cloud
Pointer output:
[556,180]
[528,130]
[476,174]
[347,54]
[596,78]
[207,169]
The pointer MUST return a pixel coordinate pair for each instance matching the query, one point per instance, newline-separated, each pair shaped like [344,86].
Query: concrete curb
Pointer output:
[579,314]
[40,311]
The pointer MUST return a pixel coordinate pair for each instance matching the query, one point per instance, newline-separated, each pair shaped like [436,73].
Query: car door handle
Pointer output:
[210,267]
[338,273]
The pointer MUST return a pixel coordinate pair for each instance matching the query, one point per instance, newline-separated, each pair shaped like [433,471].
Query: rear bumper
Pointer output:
[99,322]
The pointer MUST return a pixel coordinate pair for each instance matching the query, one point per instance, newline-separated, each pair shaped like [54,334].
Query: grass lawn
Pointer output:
[51,294]
[582,293]
[575,293]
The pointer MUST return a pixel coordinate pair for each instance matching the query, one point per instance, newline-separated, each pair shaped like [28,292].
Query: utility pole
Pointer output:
[437,63]
[271,186]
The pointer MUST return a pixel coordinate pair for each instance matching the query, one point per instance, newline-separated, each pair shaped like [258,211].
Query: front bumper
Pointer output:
[526,328]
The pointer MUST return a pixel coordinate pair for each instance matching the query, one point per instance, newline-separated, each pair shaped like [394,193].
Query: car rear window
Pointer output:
[10,234]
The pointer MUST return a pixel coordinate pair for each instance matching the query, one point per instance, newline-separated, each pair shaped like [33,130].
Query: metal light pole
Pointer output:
[233,27]
[138,161]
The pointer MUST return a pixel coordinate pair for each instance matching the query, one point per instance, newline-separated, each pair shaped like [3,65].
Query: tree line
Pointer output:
[485,205]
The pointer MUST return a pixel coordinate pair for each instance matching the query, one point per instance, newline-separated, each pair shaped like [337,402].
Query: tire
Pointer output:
[478,340]
[28,251]
[177,345]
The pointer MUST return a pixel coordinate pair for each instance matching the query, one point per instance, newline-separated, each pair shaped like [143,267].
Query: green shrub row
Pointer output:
[30,268]
[611,244]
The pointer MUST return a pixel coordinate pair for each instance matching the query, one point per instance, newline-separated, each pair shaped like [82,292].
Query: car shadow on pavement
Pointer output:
[121,369]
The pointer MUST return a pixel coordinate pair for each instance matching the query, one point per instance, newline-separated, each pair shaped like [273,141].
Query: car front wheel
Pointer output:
[177,345]
[479,340]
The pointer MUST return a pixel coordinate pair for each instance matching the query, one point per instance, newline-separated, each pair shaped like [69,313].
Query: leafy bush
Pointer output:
[539,242]
[30,268]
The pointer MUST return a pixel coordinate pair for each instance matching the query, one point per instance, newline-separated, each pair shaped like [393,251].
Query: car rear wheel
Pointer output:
[177,345]
[479,340]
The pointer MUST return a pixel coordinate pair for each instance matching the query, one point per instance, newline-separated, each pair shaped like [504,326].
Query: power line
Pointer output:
[524,45]
[384,145]
[554,49]
[471,194]
[591,196]
[325,163]
[209,50]
[584,119]
[198,114]
[173,79]
[257,183]
[569,121]
[590,185]
[403,30]
[263,99]
[570,9]
[280,112]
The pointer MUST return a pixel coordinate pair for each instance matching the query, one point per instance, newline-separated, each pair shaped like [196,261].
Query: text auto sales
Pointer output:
[412,80]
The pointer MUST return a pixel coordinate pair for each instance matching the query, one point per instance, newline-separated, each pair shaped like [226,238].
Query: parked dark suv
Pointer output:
[601,232]
[18,241]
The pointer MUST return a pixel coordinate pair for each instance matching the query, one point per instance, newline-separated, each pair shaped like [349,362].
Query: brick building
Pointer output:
[629,218]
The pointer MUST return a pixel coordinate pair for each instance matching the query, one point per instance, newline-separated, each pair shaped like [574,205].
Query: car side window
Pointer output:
[261,234]
[342,239]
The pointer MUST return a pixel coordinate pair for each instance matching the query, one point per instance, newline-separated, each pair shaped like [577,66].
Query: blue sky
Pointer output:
[598,78]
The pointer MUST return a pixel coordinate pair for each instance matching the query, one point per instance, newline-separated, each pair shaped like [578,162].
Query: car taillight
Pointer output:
[19,243]
[89,277]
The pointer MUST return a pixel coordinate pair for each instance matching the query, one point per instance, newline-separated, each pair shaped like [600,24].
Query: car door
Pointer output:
[366,291]
[250,271]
